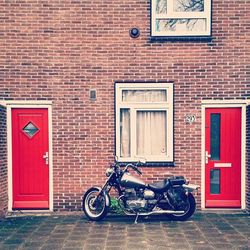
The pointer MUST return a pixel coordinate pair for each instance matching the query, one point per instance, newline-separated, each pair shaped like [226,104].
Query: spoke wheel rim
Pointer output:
[94,207]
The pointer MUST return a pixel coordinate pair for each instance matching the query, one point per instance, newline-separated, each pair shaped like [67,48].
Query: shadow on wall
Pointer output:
[3,162]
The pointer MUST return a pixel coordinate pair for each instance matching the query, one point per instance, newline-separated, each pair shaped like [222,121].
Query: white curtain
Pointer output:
[147,96]
[151,133]
[150,125]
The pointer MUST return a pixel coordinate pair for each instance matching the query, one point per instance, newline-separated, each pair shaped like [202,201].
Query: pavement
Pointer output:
[73,231]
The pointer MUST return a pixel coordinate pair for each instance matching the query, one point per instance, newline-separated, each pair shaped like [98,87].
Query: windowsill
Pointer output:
[151,164]
[197,39]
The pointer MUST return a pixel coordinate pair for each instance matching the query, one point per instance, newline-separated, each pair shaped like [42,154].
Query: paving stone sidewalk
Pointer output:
[202,231]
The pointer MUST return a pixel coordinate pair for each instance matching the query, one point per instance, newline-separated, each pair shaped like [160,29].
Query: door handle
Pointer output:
[46,157]
[207,156]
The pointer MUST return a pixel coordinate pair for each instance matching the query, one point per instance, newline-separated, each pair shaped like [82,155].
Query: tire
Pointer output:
[99,210]
[191,205]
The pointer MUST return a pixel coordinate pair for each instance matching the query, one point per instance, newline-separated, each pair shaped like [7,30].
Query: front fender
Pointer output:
[106,196]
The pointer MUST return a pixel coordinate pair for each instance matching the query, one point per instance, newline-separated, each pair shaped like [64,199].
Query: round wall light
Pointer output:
[134,32]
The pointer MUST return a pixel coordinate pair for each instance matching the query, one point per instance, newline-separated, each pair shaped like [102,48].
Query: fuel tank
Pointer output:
[128,180]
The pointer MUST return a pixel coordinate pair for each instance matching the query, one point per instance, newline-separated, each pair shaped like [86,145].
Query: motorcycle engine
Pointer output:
[135,199]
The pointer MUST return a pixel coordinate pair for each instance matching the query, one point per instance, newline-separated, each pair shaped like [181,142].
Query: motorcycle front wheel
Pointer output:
[189,209]
[94,204]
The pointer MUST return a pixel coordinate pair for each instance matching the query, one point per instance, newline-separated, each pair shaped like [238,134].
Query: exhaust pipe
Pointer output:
[154,212]
[157,212]
[162,212]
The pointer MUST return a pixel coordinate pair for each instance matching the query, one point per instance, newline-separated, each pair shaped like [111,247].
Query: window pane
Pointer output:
[125,133]
[161,6]
[147,96]
[215,136]
[151,133]
[189,5]
[30,129]
[215,181]
[185,25]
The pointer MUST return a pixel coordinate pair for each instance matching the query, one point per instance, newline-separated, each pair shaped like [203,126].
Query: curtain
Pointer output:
[151,133]
[150,125]
[147,96]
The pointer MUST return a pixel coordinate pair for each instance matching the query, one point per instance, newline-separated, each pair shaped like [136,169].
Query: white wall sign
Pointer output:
[190,118]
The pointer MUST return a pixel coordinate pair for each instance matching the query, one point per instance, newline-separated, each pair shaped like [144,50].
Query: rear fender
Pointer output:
[190,187]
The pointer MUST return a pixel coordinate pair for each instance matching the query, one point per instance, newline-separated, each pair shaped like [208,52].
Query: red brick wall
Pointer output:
[59,50]
[3,162]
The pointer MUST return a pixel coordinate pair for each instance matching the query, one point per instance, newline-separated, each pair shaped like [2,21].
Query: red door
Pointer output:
[30,167]
[223,158]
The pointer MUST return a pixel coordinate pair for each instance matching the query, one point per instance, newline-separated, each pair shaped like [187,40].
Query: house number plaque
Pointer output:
[190,118]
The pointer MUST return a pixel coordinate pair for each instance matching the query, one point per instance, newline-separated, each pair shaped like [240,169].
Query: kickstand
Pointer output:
[136,218]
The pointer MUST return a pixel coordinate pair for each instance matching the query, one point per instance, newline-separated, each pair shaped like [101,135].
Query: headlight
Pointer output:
[109,171]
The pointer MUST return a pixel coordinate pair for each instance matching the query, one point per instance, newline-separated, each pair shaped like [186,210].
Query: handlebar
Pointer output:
[134,167]
[138,171]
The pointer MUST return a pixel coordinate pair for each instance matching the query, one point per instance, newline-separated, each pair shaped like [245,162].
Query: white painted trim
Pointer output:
[20,212]
[203,157]
[214,103]
[243,157]
[2,103]
[171,14]
[136,106]
[28,104]
[225,104]
[50,127]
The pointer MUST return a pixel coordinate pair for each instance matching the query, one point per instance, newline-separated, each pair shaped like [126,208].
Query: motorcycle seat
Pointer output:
[159,186]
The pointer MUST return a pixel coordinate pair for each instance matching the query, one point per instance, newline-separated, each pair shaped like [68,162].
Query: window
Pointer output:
[215,121]
[180,18]
[144,122]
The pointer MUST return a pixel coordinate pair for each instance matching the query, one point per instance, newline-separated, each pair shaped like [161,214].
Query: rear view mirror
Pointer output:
[143,160]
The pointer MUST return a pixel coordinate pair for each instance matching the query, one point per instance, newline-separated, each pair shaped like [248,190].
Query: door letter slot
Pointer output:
[222,165]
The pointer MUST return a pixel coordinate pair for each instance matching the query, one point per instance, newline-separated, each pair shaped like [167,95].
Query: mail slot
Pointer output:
[222,165]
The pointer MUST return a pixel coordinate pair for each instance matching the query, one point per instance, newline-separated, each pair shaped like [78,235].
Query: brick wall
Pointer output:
[3,162]
[59,50]
[248,160]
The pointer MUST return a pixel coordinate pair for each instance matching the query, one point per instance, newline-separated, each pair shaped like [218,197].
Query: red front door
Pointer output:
[223,158]
[30,167]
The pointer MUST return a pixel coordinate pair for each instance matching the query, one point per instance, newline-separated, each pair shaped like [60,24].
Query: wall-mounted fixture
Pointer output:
[134,32]
[92,94]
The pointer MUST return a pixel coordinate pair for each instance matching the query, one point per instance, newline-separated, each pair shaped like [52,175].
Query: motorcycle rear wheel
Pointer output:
[190,209]
[94,204]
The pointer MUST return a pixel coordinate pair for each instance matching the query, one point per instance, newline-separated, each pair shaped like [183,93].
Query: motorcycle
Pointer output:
[171,196]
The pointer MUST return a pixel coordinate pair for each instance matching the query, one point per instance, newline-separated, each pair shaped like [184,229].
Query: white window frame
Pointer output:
[181,15]
[137,106]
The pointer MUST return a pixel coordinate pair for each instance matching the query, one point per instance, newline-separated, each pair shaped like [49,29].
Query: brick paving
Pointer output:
[202,231]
